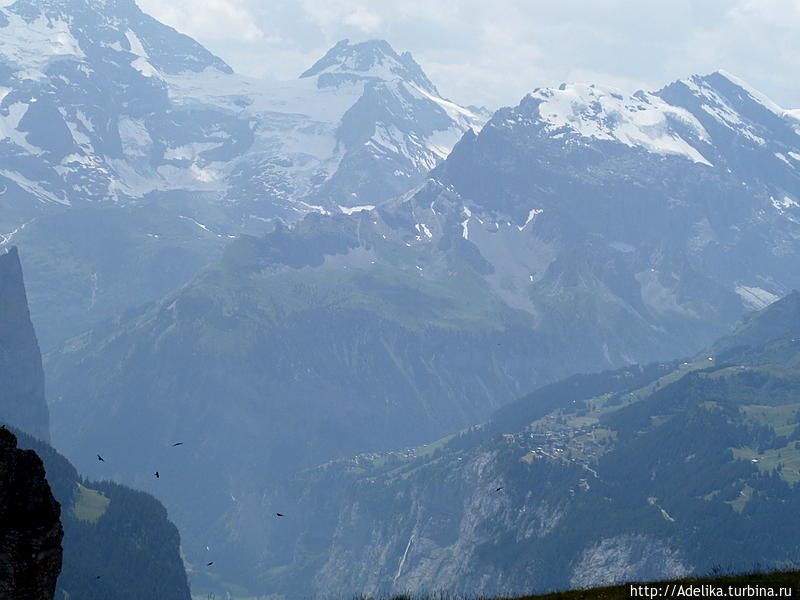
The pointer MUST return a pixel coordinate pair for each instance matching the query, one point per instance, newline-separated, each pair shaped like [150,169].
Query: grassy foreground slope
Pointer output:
[777,579]
[788,580]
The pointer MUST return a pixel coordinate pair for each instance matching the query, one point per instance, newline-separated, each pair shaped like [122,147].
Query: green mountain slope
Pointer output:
[642,473]
[291,357]
[85,265]
[769,584]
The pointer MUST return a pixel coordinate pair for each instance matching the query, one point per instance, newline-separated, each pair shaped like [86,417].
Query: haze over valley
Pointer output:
[341,335]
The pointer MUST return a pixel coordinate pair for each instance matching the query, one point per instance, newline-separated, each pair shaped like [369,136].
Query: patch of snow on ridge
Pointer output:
[782,205]
[189,151]
[349,210]
[755,297]
[642,120]
[423,228]
[32,187]
[794,115]
[441,142]
[453,110]
[9,125]
[532,214]
[31,46]
[200,225]
[135,138]
[142,63]
[465,223]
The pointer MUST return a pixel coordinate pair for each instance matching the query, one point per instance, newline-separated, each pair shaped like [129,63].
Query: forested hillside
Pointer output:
[118,542]
[650,472]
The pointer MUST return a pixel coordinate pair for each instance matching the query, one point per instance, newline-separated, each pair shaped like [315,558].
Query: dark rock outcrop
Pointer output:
[30,526]
[22,400]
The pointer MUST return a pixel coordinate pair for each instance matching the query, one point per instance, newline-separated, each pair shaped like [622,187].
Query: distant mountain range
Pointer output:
[131,154]
[540,248]
[104,104]
[402,268]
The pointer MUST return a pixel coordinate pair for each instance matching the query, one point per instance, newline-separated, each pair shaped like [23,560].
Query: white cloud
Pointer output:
[363,19]
[334,13]
[207,19]
[494,52]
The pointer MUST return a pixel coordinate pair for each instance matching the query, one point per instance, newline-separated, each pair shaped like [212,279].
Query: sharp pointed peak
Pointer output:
[727,84]
[374,59]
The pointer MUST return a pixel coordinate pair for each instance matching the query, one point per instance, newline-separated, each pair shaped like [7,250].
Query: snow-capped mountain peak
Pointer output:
[35,30]
[714,120]
[101,102]
[602,113]
[728,106]
[370,60]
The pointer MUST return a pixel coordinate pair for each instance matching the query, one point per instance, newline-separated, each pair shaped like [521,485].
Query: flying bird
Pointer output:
[498,489]
[157,475]
[280,514]
[98,577]
[177,444]
[209,564]
[100,458]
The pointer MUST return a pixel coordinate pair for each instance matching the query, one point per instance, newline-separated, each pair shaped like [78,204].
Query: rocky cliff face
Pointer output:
[22,401]
[444,527]
[30,538]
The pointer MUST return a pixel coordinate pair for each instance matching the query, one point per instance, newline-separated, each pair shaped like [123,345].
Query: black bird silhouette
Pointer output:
[100,458]
[280,514]
[98,577]
[177,444]
[209,564]
[157,475]
[498,489]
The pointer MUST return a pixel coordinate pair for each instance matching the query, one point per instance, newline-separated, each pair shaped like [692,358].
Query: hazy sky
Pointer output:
[492,52]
